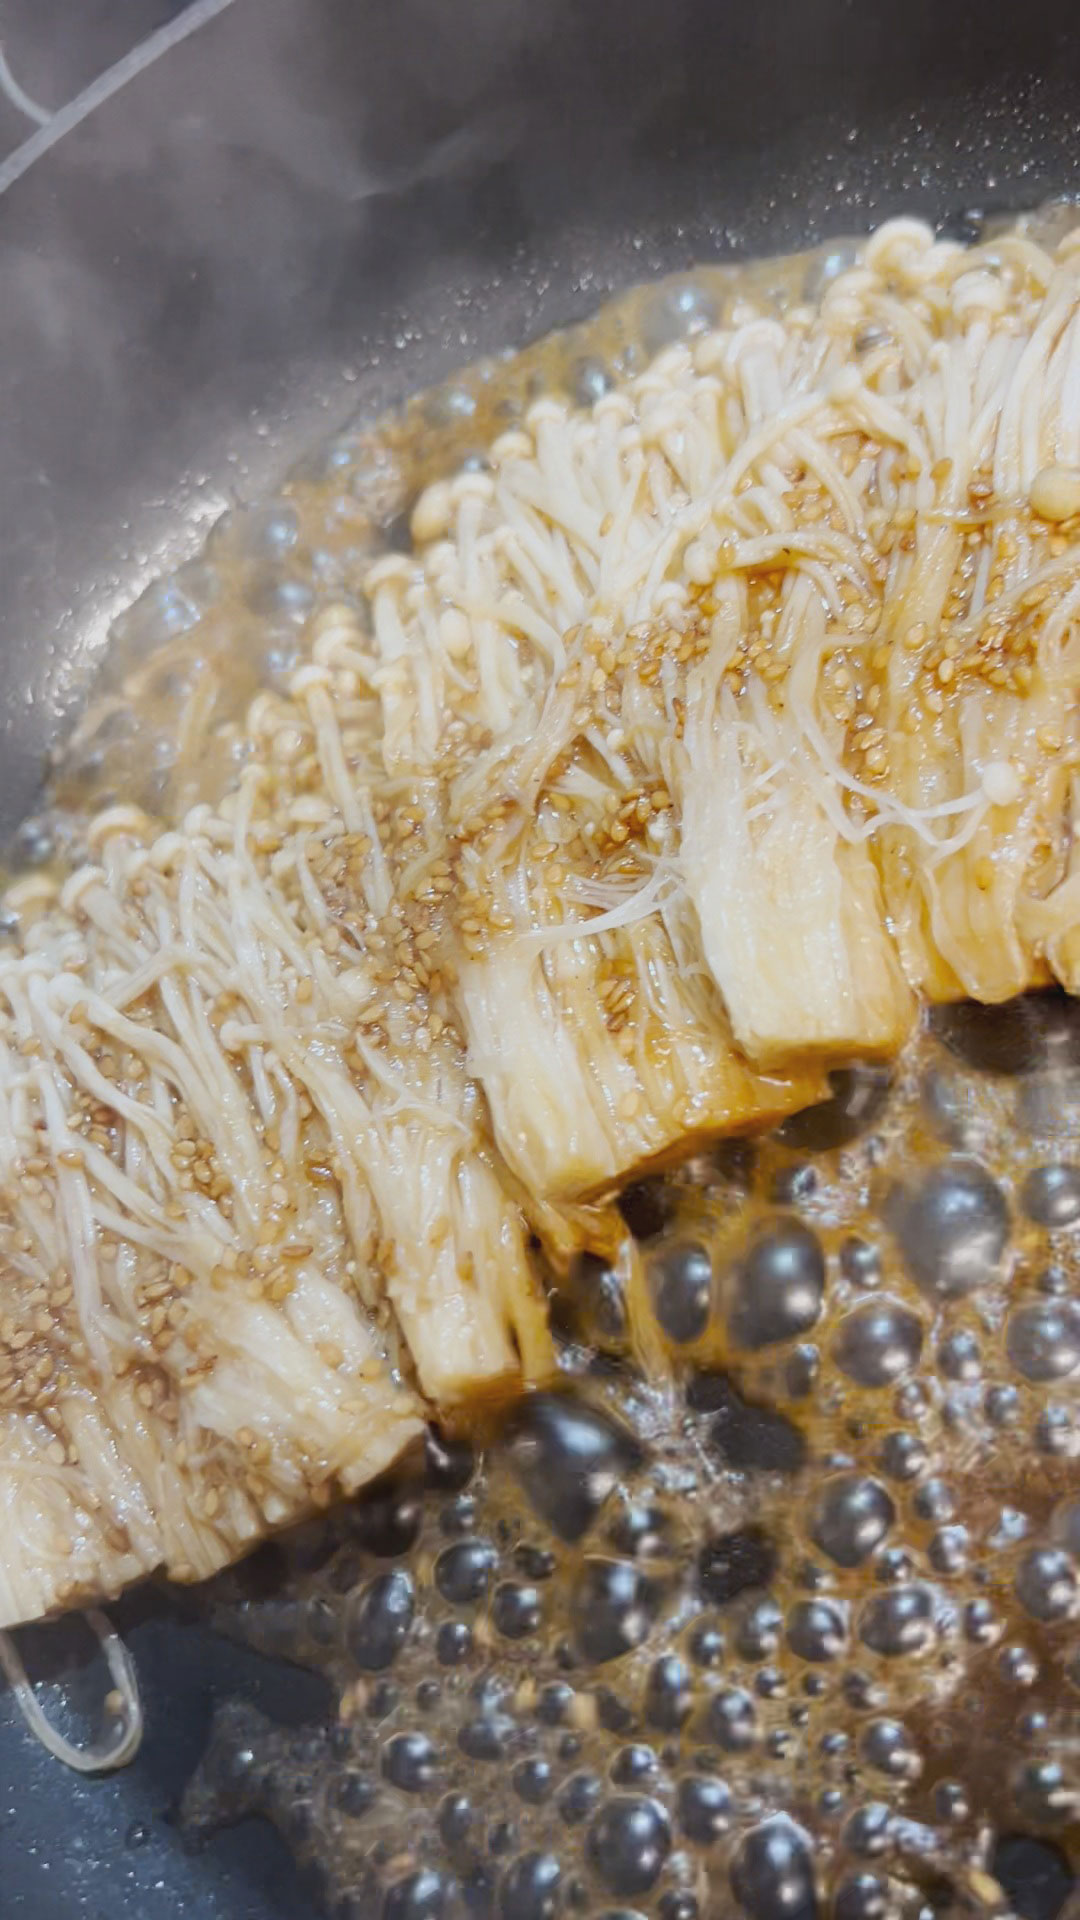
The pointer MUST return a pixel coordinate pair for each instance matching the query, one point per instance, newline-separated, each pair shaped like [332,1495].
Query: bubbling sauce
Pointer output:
[771,1604]
[783,1618]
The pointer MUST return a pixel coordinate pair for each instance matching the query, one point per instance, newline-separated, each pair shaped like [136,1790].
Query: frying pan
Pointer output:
[281,212]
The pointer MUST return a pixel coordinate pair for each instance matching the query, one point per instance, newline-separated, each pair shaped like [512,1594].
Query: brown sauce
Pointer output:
[812,1563]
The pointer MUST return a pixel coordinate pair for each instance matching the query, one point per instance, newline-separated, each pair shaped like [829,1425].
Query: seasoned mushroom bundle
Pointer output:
[703,733]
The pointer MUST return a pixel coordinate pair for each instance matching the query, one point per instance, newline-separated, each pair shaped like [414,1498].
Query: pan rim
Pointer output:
[196,15]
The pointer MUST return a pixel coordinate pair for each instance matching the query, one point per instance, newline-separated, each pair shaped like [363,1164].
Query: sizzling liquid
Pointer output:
[789,1618]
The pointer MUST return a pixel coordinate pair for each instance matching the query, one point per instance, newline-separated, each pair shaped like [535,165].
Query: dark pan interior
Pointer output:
[309,206]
